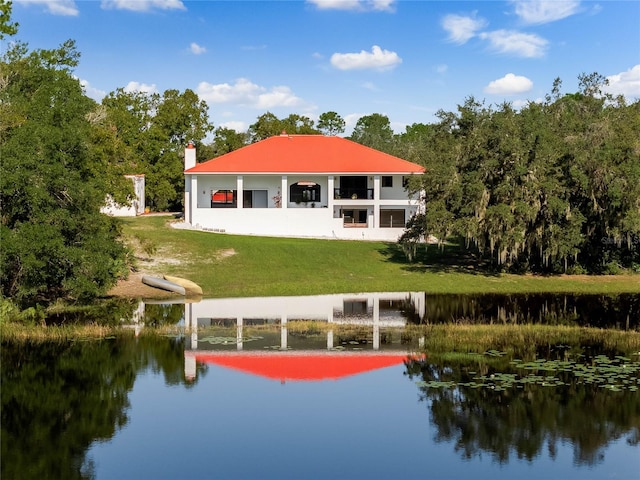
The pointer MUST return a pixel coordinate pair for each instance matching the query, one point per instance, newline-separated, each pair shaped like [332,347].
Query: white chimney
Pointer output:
[190,156]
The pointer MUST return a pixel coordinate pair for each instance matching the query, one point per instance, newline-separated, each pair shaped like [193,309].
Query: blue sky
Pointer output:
[403,59]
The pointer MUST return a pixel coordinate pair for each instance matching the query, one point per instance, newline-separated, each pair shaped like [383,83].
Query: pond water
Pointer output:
[251,389]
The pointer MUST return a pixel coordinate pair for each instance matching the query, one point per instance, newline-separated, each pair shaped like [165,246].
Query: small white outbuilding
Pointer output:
[137,206]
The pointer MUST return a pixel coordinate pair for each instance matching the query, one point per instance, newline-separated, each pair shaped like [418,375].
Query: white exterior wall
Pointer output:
[137,204]
[295,220]
[314,307]
[396,191]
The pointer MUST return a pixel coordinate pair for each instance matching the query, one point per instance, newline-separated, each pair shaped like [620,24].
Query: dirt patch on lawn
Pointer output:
[133,287]
[222,254]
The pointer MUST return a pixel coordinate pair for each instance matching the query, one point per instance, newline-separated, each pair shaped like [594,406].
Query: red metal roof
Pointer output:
[306,154]
[290,366]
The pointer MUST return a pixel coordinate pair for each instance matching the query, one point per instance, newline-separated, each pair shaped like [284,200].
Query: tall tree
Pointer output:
[330,123]
[553,187]
[299,124]
[55,241]
[227,140]
[268,125]
[7,27]
[156,128]
[374,131]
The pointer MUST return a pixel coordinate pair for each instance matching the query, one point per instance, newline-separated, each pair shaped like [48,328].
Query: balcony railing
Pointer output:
[353,193]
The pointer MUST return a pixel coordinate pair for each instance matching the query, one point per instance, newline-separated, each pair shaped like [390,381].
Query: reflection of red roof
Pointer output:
[306,154]
[293,366]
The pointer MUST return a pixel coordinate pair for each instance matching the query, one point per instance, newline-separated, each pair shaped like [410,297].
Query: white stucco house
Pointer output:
[301,186]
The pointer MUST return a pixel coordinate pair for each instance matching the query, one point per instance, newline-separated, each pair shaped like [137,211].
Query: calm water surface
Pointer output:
[228,401]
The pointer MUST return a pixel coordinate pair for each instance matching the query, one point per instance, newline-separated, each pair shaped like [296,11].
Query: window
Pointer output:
[354,217]
[223,198]
[392,218]
[354,307]
[387,181]
[254,199]
[304,192]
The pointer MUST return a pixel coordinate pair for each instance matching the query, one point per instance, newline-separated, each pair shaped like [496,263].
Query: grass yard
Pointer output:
[230,266]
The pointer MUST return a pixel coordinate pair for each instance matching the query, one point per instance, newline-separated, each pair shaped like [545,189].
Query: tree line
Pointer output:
[554,186]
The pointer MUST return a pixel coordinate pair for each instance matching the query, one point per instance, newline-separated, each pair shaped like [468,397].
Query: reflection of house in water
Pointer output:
[377,343]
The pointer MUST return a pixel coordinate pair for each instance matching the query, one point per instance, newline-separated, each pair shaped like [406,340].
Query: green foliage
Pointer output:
[330,123]
[55,241]
[374,131]
[554,187]
[268,125]
[60,397]
[152,131]
[7,28]
[226,140]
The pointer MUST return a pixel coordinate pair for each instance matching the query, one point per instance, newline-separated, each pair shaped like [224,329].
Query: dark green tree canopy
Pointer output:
[7,27]
[268,125]
[330,123]
[226,140]
[155,129]
[553,187]
[374,131]
[55,241]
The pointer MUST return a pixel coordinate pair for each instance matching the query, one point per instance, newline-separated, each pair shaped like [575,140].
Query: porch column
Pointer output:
[284,192]
[190,191]
[330,320]
[376,201]
[190,367]
[283,332]
[330,188]
[376,324]
[239,190]
[193,198]
[239,324]
[187,199]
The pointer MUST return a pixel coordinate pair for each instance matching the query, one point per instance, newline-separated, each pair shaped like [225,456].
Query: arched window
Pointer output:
[304,192]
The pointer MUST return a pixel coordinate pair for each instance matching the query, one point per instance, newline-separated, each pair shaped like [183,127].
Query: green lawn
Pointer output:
[232,265]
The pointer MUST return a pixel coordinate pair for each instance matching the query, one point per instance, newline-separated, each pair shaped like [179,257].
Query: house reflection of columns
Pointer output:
[374,310]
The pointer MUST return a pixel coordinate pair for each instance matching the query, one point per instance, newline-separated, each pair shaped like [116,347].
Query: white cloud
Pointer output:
[196,49]
[140,87]
[625,83]
[520,44]
[253,48]
[370,86]
[441,69]
[55,7]
[243,92]
[378,59]
[382,5]
[519,104]
[278,97]
[355,5]
[351,120]
[92,92]
[462,28]
[510,84]
[246,93]
[236,125]
[142,5]
[535,12]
